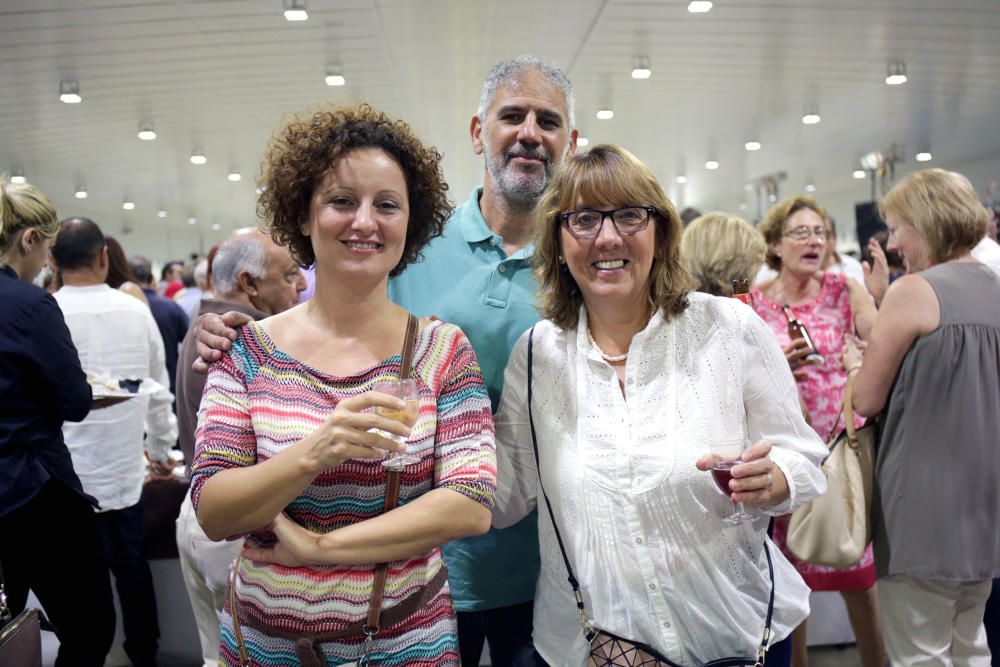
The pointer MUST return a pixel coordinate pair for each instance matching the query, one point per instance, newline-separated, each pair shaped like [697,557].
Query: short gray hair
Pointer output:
[245,252]
[507,71]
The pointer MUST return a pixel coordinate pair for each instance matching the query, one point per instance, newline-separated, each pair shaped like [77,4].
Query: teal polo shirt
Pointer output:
[467,279]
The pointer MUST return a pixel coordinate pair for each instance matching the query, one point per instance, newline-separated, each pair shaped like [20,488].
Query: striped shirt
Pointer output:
[259,400]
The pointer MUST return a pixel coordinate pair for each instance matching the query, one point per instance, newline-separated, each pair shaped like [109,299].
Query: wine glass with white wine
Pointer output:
[406,390]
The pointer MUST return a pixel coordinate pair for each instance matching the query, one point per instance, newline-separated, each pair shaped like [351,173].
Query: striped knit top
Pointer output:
[259,400]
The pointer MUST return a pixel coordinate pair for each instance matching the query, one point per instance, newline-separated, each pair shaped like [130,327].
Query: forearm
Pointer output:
[437,517]
[241,500]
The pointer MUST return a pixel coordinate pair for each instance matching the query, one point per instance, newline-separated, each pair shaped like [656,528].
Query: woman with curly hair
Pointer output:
[289,446]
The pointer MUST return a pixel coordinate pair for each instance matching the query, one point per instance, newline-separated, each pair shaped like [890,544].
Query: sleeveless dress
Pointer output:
[258,400]
[936,511]
[827,317]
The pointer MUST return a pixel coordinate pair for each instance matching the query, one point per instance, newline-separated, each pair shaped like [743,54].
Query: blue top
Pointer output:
[41,385]
[172,322]
[467,279]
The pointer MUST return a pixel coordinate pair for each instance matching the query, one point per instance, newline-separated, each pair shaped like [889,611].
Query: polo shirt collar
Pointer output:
[474,227]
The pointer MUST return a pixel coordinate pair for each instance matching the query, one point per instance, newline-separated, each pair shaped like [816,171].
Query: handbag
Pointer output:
[21,636]
[306,650]
[607,648]
[835,528]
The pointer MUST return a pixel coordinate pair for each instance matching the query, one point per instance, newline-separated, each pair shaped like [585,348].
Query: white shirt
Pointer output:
[115,334]
[641,524]
[987,251]
[850,267]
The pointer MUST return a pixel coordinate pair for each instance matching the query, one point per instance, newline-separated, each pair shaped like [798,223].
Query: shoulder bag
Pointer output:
[606,648]
[20,636]
[306,650]
[835,528]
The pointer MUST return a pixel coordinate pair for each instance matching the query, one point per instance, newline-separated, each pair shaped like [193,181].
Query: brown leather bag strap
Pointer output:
[244,656]
[392,482]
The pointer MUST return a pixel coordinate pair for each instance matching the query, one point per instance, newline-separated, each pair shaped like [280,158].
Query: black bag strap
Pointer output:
[588,629]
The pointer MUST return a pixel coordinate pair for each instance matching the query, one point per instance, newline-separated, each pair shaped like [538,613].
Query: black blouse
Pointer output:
[41,385]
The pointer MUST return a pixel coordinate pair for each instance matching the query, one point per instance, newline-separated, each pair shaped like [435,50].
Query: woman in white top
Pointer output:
[635,378]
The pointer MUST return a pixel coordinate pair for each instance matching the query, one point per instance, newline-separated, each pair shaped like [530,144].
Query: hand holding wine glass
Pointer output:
[406,390]
[747,475]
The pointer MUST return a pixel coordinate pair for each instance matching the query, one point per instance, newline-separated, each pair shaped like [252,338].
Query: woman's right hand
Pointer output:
[214,335]
[796,352]
[349,432]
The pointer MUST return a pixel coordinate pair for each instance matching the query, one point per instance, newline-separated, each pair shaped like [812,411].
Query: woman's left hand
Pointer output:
[292,548]
[756,482]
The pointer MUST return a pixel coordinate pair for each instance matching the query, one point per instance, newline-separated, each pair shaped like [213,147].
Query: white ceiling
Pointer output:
[219,75]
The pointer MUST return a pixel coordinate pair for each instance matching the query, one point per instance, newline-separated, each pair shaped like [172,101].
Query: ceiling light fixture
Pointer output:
[810,187]
[192,220]
[162,213]
[128,205]
[17,177]
[640,69]
[146,132]
[216,226]
[197,157]
[681,179]
[712,165]
[896,74]
[81,192]
[811,116]
[295,10]
[582,141]
[752,145]
[924,156]
[605,113]
[69,91]
[699,6]
[234,176]
[858,174]
[335,77]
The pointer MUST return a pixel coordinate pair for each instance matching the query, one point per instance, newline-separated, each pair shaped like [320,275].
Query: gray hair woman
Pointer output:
[935,351]
[637,383]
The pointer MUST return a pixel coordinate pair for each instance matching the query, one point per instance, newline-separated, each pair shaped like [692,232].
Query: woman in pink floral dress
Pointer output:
[831,306]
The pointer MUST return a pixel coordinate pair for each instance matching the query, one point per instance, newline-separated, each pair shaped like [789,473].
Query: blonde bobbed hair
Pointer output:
[718,248]
[23,206]
[606,175]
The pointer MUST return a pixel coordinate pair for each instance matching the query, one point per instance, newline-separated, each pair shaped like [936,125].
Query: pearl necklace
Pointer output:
[607,357]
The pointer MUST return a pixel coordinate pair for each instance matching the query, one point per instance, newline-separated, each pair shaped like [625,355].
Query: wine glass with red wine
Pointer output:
[727,457]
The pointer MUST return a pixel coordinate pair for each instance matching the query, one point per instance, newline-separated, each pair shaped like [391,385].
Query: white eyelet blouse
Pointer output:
[641,524]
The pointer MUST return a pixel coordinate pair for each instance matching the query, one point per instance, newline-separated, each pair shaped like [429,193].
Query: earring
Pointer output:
[561,260]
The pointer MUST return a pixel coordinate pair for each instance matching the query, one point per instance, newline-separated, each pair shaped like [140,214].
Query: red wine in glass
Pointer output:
[722,474]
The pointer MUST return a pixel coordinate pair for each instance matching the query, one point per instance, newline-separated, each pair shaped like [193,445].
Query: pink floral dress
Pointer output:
[827,317]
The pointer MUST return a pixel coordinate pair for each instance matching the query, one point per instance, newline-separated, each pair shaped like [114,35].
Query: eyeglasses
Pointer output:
[803,233]
[587,224]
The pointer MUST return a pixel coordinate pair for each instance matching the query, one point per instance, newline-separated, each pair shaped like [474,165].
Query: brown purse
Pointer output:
[305,647]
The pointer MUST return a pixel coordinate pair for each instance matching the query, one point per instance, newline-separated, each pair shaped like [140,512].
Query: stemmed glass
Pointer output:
[407,391]
[728,457]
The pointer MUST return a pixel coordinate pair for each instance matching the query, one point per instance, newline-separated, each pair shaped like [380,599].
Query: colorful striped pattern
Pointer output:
[259,400]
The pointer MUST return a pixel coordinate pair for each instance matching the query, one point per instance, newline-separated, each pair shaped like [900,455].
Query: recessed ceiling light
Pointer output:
[712,164]
[17,177]
[234,176]
[810,187]
[216,226]
[925,156]
[296,11]
[69,91]
[81,192]
[582,141]
[335,78]
[162,213]
[858,174]
[699,6]
[192,220]
[811,116]
[128,205]
[605,114]
[752,145]
[896,74]
[198,158]
[146,132]
[681,179]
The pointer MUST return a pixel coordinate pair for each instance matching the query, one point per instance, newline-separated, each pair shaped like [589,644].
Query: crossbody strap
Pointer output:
[588,629]
[392,483]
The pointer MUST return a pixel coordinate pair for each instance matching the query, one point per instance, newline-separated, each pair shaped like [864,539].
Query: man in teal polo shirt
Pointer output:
[478,276]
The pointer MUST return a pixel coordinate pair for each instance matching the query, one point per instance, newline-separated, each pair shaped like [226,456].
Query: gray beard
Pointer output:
[521,192]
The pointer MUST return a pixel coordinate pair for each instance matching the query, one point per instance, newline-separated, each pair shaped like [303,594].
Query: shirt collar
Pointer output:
[474,227]
[11,273]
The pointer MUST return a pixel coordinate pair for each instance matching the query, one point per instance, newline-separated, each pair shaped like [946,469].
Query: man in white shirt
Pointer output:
[117,337]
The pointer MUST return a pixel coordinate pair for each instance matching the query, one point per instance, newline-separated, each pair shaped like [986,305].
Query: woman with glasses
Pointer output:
[832,306]
[635,381]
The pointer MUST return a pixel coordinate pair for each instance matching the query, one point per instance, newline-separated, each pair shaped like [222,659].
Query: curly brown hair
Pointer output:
[301,153]
[608,174]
